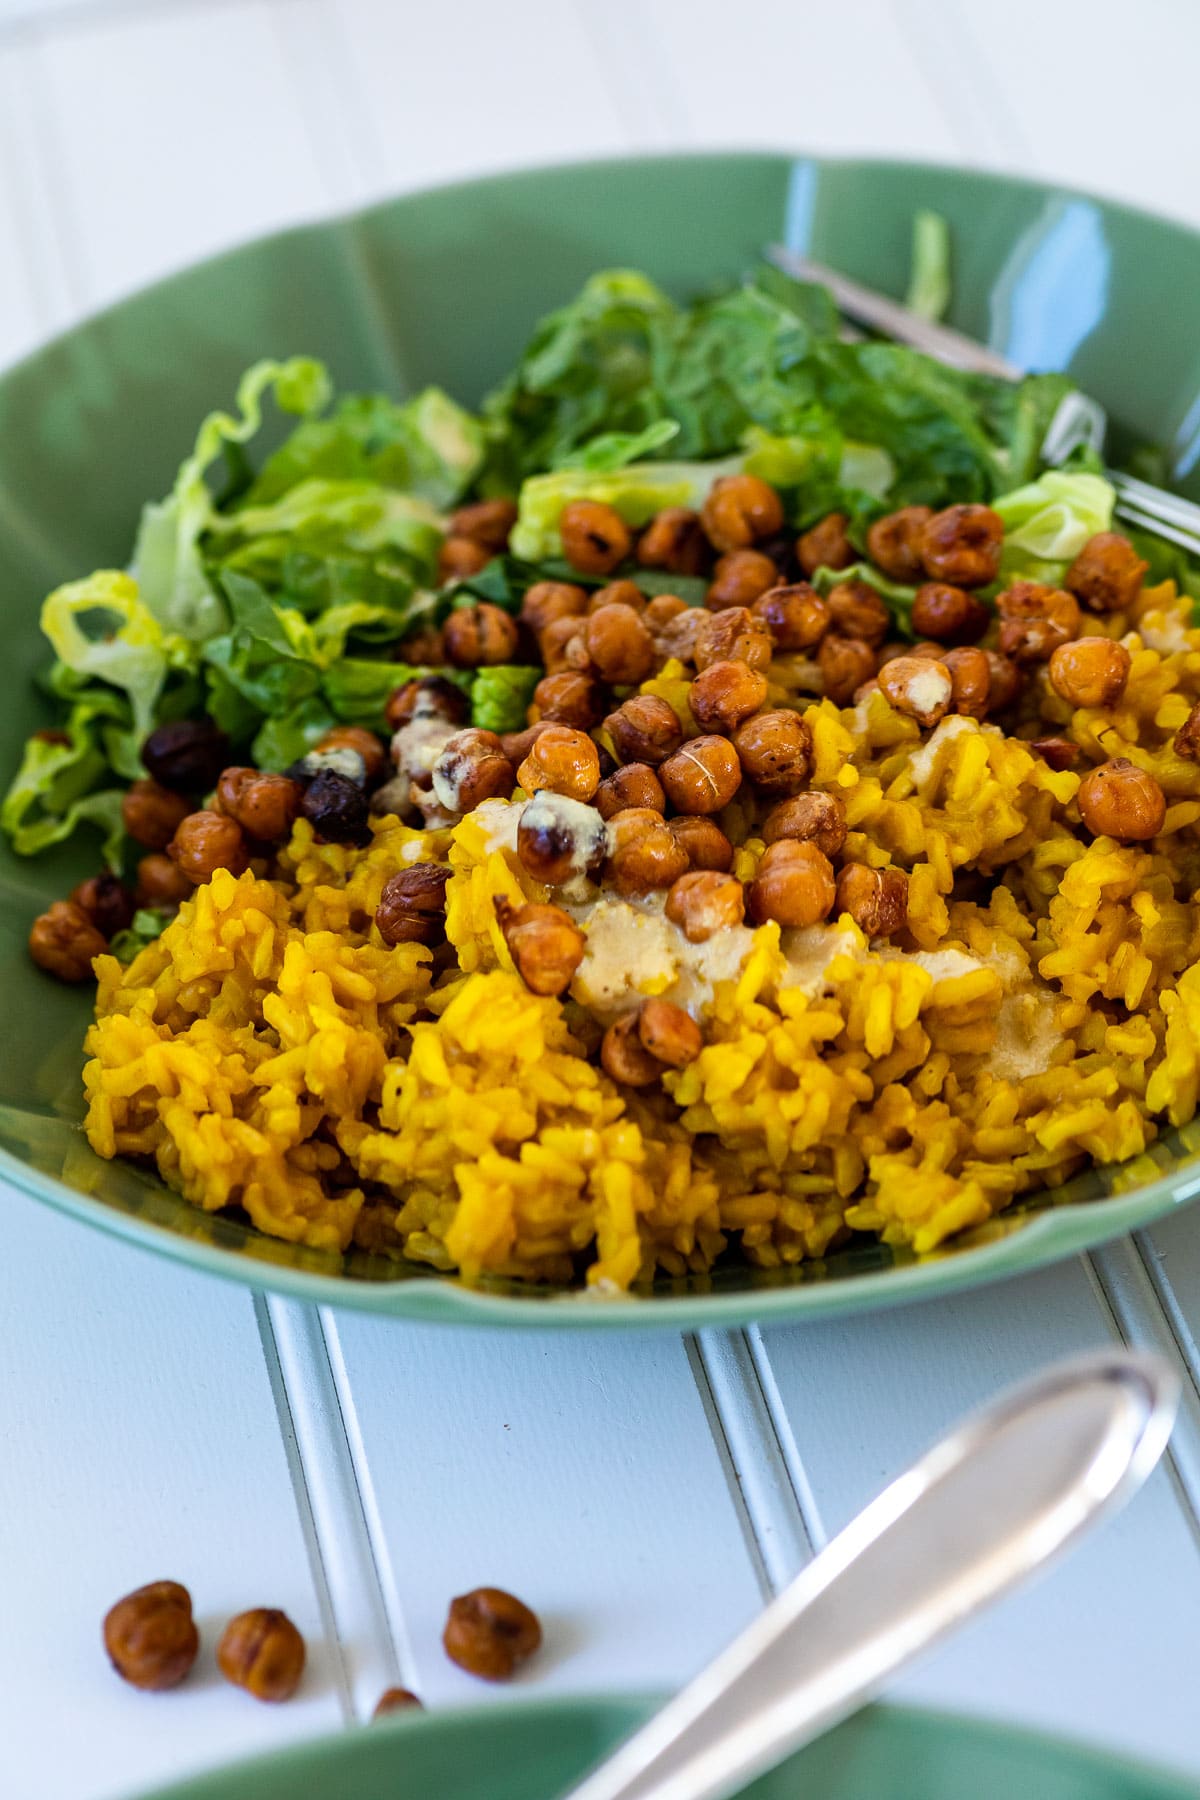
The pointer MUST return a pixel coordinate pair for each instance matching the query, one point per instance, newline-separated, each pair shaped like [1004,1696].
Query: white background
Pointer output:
[643,1493]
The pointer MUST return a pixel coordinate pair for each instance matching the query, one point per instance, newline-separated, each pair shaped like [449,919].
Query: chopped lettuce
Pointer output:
[500,696]
[427,446]
[1048,521]
[100,627]
[54,790]
[148,924]
[929,274]
[636,492]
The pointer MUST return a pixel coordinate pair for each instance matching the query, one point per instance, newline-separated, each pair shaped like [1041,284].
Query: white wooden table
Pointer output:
[643,1493]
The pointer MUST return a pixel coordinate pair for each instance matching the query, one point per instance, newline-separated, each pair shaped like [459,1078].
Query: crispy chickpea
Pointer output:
[919,687]
[894,542]
[262,1651]
[725,693]
[812,818]
[1091,671]
[795,615]
[845,663]
[739,510]
[63,941]
[1005,682]
[549,600]
[623,1056]
[635,784]
[876,899]
[107,902]
[568,698]
[1035,620]
[595,538]
[706,844]
[794,885]
[472,767]
[644,729]
[970,682]
[738,578]
[679,637]
[396,1699]
[488,522]
[857,611]
[962,545]
[205,842]
[1107,574]
[152,814]
[662,609]
[1058,753]
[150,1636]
[734,635]
[265,806]
[674,540]
[702,776]
[160,883]
[668,1033]
[618,593]
[431,696]
[643,854]
[424,648]
[561,646]
[461,557]
[825,546]
[563,760]
[775,751]
[412,906]
[704,902]
[544,942]
[559,839]
[479,634]
[619,646]
[357,737]
[1119,800]
[949,614]
[1187,738]
[488,1633]
[516,745]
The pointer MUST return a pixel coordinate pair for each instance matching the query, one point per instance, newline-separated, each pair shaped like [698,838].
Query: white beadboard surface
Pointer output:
[643,1493]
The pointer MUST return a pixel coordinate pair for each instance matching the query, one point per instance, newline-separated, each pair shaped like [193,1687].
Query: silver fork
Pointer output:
[1079,420]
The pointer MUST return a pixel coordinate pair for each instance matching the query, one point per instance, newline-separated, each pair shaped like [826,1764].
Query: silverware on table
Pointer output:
[1078,420]
[990,1505]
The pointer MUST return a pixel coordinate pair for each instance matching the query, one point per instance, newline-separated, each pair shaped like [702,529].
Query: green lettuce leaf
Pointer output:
[1048,521]
[51,794]
[428,446]
[929,273]
[501,694]
[101,628]
[283,740]
[636,492]
[148,924]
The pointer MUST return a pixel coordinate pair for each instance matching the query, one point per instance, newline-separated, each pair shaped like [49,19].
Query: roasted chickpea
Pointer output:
[794,885]
[205,842]
[845,663]
[1035,620]
[544,942]
[623,1056]
[186,755]
[1005,682]
[919,687]
[618,593]
[479,634]
[739,510]
[949,614]
[619,646]
[160,883]
[595,538]
[1107,574]
[970,682]
[421,649]
[704,902]
[1187,738]
[488,522]
[516,745]
[876,899]
[680,635]
[151,1636]
[412,906]
[265,806]
[107,902]
[568,698]
[812,818]
[546,601]
[1119,800]
[856,611]
[725,693]
[796,616]
[488,1633]
[432,696]
[894,542]
[635,784]
[357,737]
[564,760]
[734,635]
[702,776]
[661,610]
[461,557]
[396,1699]
[1091,671]
[63,941]
[262,1651]
[825,546]
[559,838]
[668,1033]
[674,540]
[775,751]
[472,767]
[1058,753]
[738,579]
[152,814]
[643,854]
[962,545]
[644,729]
[706,844]
[561,645]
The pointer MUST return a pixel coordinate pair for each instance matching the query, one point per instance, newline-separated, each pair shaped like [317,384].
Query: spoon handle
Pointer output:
[987,1507]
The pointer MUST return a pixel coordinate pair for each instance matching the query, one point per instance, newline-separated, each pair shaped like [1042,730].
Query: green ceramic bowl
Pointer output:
[535,1751]
[443,286]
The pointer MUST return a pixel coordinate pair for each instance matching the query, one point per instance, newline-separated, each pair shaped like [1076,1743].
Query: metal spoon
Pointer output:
[987,1507]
